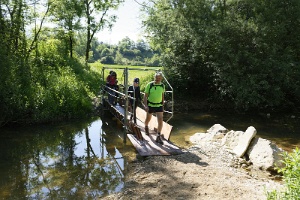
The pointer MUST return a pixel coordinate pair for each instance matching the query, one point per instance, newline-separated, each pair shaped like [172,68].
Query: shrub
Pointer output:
[291,178]
[64,97]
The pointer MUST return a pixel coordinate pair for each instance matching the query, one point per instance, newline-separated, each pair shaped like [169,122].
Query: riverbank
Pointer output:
[202,172]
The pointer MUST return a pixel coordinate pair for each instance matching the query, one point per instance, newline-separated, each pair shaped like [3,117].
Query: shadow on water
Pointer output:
[80,160]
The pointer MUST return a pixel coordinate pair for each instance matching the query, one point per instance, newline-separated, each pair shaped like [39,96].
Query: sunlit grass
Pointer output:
[144,73]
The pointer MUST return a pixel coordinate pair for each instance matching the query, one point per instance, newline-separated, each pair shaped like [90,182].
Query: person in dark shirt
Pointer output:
[134,92]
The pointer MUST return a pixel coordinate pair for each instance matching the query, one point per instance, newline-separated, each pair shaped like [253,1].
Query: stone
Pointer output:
[230,140]
[244,141]
[213,135]
[264,154]
[198,138]
[217,128]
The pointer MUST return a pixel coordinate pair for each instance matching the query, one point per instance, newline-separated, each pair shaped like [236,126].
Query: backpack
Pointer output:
[152,84]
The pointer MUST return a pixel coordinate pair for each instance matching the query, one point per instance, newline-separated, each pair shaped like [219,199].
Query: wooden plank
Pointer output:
[141,116]
[166,129]
[148,146]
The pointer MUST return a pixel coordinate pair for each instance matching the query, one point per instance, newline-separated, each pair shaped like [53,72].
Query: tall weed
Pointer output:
[291,178]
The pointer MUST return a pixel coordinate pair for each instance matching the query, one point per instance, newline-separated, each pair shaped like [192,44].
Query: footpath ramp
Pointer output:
[148,146]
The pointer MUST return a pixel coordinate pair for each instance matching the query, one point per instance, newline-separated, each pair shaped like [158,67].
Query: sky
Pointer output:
[128,24]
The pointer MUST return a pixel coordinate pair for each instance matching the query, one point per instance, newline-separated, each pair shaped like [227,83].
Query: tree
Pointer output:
[243,52]
[142,46]
[126,44]
[67,15]
[179,29]
[93,9]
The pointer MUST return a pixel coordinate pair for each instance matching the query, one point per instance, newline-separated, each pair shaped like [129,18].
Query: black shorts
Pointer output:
[155,109]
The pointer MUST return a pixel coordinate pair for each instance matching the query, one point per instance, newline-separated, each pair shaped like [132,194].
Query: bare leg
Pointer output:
[148,118]
[159,116]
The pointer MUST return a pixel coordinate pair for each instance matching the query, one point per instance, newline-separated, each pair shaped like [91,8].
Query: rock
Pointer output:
[217,128]
[198,138]
[214,135]
[264,154]
[230,140]
[244,141]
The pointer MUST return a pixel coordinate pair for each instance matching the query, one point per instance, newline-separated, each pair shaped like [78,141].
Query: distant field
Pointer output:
[144,73]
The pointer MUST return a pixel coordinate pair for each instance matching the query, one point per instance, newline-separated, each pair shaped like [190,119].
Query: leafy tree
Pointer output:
[15,93]
[126,44]
[67,15]
[39,83]
[142,46]
[243,52]
[81,42]
[105,52]
[107,60]
[93,9]
[177,28]
[127,52]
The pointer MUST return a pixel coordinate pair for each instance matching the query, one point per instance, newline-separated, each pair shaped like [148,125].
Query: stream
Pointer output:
[88,159]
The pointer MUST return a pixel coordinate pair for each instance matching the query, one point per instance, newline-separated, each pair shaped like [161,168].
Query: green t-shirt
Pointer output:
[155,94]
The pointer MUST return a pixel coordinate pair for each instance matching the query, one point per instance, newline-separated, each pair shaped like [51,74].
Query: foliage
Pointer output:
[126,52]
[41,78]
[245,53]
[291,177]
[64,97]
[97,17]
[242,52]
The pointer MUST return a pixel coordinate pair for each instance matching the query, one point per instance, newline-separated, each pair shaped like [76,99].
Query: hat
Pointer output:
[136,80]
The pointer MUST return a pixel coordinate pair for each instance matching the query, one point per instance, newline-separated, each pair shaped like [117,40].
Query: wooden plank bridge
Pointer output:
[145,144]
[135,132]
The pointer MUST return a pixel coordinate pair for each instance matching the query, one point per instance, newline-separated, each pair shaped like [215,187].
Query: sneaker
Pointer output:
[147,130]
[159,140]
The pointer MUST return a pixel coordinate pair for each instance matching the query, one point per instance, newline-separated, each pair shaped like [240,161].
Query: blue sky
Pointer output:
[128,24]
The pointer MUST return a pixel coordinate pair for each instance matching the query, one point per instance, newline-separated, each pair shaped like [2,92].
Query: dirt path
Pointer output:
[202,172]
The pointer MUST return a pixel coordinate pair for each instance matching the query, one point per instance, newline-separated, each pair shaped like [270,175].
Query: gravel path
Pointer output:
[203,172]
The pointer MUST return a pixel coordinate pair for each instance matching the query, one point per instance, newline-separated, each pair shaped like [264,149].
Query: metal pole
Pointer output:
[172,112]
[134,103]
[126,103]
[103,88]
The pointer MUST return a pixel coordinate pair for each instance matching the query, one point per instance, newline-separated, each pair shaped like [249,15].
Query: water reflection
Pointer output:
[87,160]
[82,161]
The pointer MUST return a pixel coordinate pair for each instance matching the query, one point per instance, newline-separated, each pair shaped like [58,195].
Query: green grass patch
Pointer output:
[144,73]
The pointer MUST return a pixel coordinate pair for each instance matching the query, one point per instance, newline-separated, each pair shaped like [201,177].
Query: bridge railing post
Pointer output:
[126,103]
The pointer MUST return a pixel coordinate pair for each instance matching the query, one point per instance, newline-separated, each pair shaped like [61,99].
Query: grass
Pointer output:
[144,73]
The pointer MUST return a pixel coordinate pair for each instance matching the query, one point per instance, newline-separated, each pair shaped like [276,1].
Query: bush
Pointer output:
[64,97]
[291,178]
[107,60]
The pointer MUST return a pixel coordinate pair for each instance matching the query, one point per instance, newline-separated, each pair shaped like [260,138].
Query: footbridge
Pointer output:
[116,101]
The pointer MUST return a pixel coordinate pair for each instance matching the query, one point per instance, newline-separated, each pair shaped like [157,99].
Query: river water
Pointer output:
[88,159]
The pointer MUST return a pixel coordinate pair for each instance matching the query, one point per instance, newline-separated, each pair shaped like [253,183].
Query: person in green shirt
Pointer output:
[153,100]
